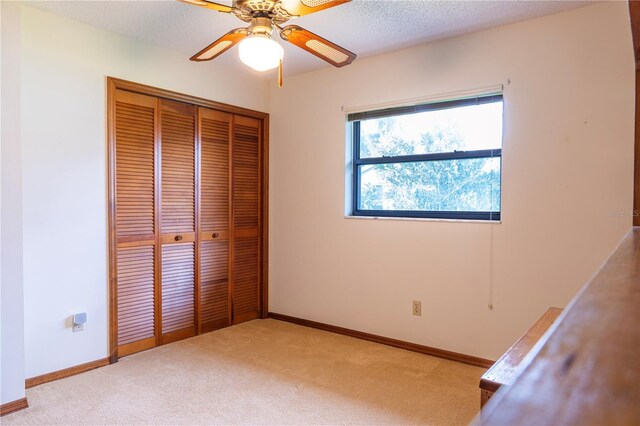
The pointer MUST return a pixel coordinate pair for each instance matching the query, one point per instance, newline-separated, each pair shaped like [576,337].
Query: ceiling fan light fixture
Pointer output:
[260,52]
[257,48]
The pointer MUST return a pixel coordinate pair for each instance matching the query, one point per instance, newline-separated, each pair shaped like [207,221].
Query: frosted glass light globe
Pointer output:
[260,53]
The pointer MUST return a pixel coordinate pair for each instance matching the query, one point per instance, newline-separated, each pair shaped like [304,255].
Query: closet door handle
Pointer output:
[215,235]
[178,238]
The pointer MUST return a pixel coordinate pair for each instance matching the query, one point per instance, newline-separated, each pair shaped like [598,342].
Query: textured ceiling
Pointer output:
[366,27]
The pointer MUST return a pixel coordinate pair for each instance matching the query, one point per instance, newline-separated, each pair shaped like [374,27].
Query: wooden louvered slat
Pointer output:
[245,272]
[177,287]
[135,294]
[135,136]
[246,219]
[214,218]
[214,292]
[178,217]
[214,181]
[178,169]
[135,221]
[245,176]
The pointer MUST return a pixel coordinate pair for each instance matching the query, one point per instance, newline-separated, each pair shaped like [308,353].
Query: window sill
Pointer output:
[424,219]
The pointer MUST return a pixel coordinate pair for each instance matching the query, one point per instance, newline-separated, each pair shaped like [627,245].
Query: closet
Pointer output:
[187,216]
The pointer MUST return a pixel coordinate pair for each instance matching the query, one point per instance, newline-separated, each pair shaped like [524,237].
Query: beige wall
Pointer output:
[11,292]
[567,161]
[64,69]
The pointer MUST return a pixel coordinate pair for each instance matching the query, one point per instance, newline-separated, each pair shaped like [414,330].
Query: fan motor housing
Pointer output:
[247,10]
[256,5]
[261,26]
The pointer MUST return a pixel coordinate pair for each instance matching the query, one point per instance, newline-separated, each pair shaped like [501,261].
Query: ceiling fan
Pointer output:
[258,50]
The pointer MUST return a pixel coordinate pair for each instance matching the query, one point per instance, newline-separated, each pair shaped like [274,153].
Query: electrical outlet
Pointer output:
[417,307]
[78,321]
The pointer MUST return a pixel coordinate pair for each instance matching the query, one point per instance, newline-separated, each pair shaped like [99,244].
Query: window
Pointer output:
[436,160]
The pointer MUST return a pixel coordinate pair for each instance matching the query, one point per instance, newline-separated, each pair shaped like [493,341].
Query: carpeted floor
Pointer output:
[262,372]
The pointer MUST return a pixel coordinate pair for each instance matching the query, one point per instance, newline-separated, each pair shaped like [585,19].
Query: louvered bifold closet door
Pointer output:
[178,220]
[215,128]
[246,154]
[135,221]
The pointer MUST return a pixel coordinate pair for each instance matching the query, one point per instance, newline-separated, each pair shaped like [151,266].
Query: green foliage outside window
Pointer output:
[471,184]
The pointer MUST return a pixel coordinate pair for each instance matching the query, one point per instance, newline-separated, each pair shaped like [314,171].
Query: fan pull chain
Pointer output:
[280,74]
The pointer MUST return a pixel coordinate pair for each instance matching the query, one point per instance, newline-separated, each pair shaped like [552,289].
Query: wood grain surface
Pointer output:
[13,406]
[588,370]
[503,371]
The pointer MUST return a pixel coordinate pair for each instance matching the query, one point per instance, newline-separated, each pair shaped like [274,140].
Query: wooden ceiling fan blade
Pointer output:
[209,5]
[305,7]
[221,45]
[318,46]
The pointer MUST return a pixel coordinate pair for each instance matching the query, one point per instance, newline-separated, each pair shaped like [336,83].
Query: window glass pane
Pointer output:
[466,128]
[469,185]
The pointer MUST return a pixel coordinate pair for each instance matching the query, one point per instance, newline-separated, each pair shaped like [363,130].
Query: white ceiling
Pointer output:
[366,27]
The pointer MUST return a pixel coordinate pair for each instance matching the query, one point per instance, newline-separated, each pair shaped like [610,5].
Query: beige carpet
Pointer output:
[262,372]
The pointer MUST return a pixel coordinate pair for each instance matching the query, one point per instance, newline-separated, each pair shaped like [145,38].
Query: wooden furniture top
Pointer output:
[587,372]
[503,371]
[634,14]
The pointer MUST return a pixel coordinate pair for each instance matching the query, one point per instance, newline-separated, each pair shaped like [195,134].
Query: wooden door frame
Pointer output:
[114,84]
[634,13]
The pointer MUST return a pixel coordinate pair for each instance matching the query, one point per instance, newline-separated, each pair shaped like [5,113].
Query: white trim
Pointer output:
[424,219]
[487,90]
